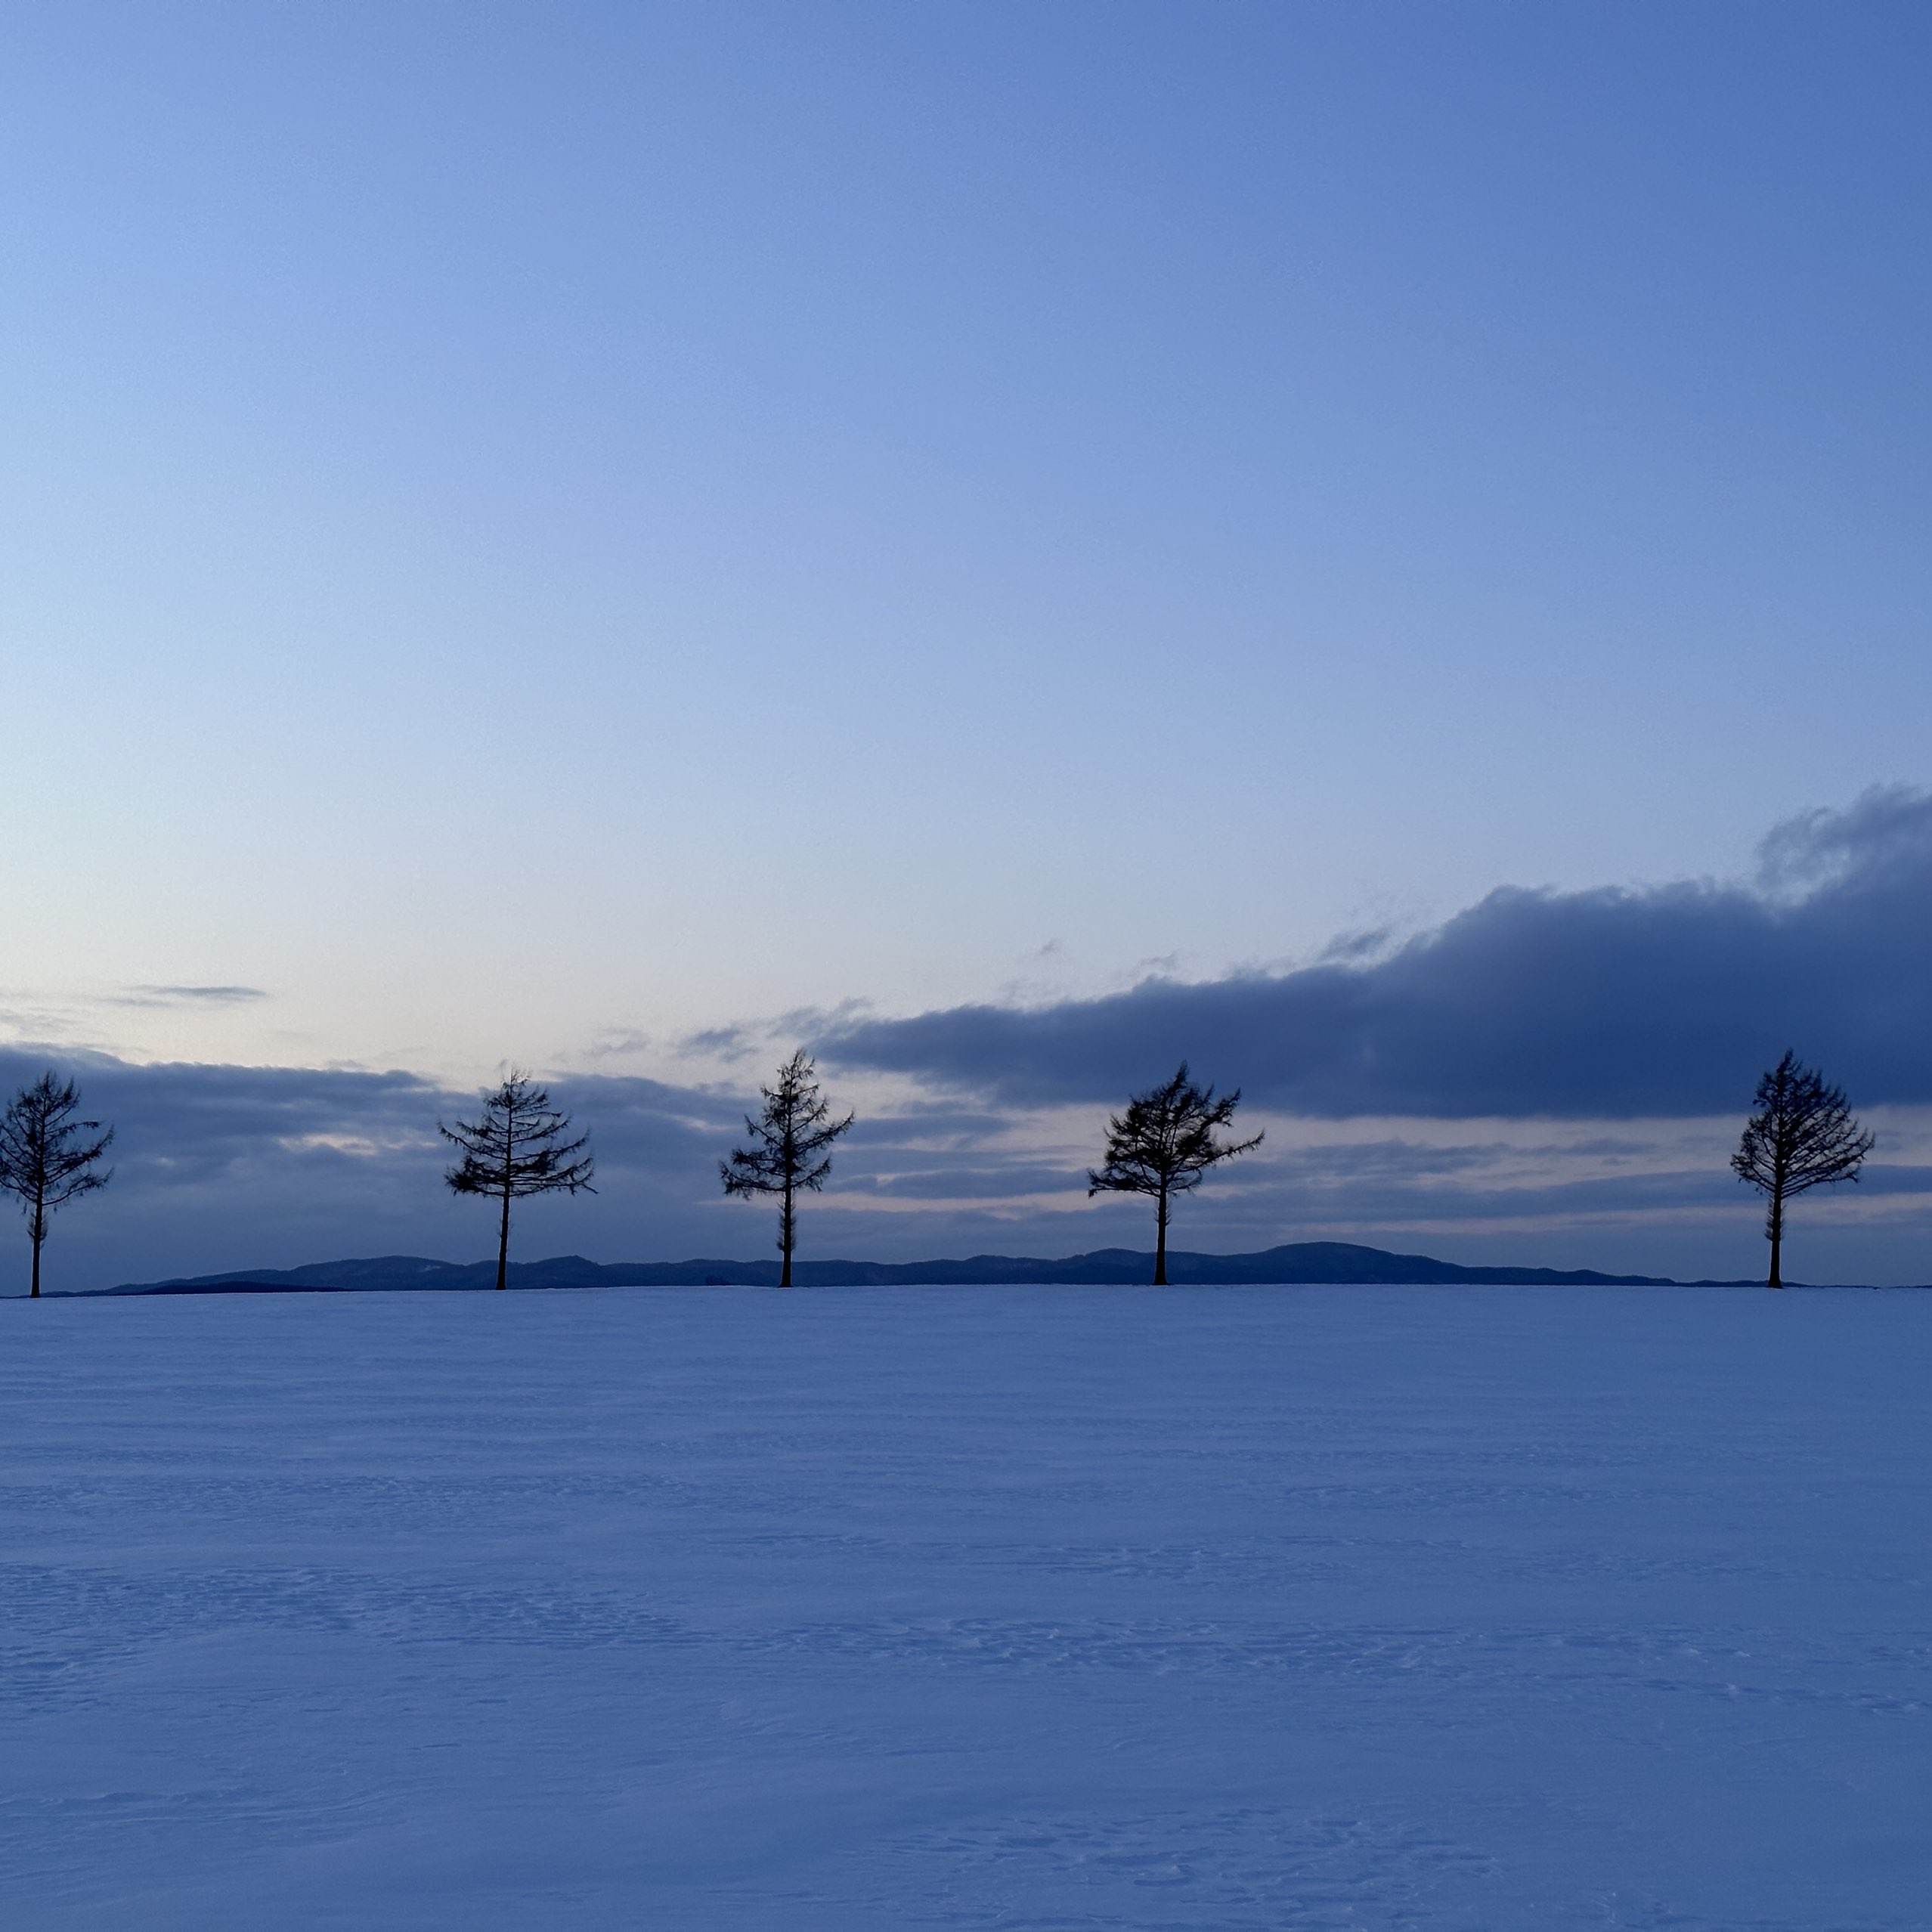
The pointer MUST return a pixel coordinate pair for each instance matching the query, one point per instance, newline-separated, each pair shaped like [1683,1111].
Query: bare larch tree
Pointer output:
[47,1158]
[1803,1135]
[516,1151]
[1162,1145]
[787,1150]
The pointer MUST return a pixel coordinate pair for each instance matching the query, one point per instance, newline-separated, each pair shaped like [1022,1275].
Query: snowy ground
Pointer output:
[1507,1610]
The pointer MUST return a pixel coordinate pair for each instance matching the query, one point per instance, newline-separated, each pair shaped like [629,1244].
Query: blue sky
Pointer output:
[623,537]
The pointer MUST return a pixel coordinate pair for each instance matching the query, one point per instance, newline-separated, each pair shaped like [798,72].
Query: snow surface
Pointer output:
[1445,1607]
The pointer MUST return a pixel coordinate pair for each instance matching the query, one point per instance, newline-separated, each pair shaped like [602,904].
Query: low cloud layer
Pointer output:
[1611,1004]
[229,1167]
[223,1167]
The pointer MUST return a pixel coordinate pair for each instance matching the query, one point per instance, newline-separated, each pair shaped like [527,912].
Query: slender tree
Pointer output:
[46,1158]
[787,1150]
[516,1151]
[1162,1145]
[1803,1135]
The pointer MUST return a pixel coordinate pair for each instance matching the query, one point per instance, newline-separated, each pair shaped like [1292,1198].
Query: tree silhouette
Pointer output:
[788,1149]
[517,1150]
[1803,1135]
[45,1162]
[1162,1145]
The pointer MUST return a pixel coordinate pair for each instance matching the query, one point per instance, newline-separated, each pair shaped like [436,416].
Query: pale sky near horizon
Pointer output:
[532,529]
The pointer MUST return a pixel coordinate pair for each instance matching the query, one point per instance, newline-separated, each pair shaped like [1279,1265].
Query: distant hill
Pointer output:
[1336,1262]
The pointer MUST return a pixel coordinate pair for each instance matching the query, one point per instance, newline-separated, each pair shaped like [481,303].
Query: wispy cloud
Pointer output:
[743,1041]
[183,995]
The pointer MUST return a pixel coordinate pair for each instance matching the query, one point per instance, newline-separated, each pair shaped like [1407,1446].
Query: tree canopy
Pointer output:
[45,1159]
[788,1150]
[1802,1136]
[516,1151]
[1164,1145]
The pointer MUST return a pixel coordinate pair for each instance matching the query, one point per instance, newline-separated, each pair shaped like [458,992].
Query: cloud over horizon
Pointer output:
[1613,1003]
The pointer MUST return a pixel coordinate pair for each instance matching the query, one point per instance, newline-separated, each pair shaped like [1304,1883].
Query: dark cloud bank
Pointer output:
[1603,1004]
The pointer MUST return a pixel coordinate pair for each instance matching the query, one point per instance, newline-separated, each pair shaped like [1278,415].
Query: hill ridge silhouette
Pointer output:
[1291,1264]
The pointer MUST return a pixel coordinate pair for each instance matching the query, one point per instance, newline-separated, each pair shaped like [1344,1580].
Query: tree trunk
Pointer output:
[1774,1228]
[39,1236]
[503,1243]
[37,1229]
[1160,1241]
[788,1236]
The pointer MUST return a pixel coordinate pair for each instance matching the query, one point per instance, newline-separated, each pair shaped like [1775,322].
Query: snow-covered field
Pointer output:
[1482,1608]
